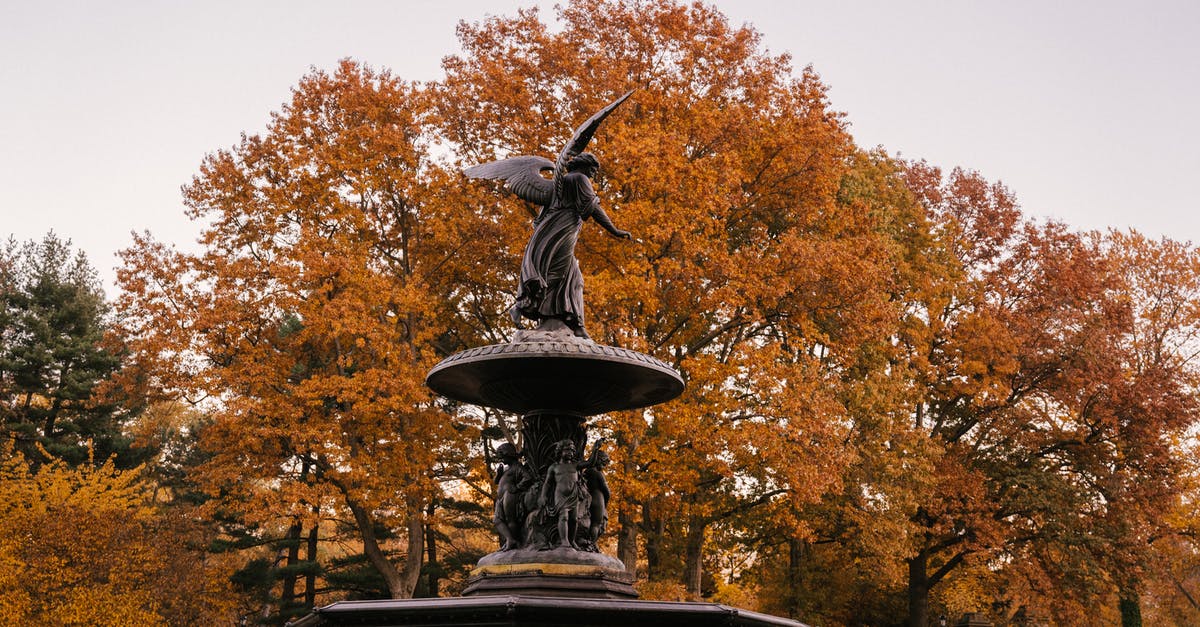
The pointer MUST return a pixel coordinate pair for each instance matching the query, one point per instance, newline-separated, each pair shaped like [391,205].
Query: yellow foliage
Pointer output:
[971,590]
[662,591]
[735,595]
[83,546]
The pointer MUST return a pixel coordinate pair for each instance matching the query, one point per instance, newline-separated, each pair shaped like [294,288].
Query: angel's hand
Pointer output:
[622,234]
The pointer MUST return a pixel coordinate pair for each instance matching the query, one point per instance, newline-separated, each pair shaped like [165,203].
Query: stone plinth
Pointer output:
[557,573]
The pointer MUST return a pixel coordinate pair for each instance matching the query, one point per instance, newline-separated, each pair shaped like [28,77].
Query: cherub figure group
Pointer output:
[571,490]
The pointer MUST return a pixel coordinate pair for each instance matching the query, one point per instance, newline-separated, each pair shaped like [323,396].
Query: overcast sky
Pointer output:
[1086,110]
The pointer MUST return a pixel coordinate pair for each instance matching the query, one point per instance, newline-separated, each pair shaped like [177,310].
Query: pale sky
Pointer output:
[1086,110]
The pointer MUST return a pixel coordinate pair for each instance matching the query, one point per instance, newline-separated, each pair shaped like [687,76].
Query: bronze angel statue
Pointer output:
[551,288]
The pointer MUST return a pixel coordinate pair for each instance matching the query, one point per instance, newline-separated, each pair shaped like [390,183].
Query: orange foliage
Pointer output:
[312,313]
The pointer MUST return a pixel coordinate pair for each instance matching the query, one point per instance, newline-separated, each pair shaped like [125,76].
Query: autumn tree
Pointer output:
[1170,594]
[1137,403]
[1024,359]
[313,312]
[849,569]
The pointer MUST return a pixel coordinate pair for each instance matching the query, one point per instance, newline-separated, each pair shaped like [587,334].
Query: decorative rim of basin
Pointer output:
[555,375]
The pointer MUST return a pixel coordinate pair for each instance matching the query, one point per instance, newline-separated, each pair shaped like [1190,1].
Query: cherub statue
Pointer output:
[512,480]
[598,488]
[561,492]
[551,288]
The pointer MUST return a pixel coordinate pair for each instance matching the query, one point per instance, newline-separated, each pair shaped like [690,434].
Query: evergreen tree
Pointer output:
[56,354]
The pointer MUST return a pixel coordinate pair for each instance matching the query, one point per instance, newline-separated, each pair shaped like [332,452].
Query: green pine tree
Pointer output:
[54,355]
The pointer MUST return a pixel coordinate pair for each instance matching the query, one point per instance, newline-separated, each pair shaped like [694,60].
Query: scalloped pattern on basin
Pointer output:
[567,376]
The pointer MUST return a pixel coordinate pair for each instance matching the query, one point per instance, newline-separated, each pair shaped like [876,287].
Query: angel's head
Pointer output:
[584,162]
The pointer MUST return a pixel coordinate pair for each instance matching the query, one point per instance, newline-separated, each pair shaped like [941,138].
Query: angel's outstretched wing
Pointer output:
[521,175]
[583,135]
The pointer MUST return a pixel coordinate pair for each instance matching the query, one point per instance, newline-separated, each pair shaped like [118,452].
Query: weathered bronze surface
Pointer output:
[551,504]
[551,287]
[555,374]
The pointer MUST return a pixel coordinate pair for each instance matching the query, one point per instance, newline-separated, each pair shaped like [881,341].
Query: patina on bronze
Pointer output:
[552,373]
[551,287]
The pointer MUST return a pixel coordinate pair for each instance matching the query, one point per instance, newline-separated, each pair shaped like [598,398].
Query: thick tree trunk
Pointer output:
[51,417]
[918,591]
[693,566]
[627,539]
[654,533]
[415,554]
[1131,609]
[56,406]
[374,554]
[796,550]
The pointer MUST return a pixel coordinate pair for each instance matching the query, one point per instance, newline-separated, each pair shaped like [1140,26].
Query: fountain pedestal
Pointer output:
[555,381]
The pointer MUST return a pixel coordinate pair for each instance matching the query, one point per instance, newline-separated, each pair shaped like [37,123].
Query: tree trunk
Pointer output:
[654,533]
[310,578]
[1131,609]
[415,555]
[795,562]
[287,598]
[374,554]
[56,406]
[51,417]
[627,540]
[693,566]
[431,556]
[918,591]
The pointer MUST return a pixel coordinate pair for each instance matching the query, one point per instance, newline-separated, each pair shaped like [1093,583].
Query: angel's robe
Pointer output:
[551,284]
